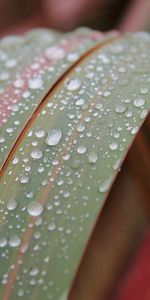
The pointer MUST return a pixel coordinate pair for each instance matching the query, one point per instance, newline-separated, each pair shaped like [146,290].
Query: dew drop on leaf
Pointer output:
[104,186]
[35,208]
[3,242]
[143,91]
[120,108]
[11,204]
[73,84]
[81,149]
[51,226]
[80,127]
[2,139]
[53,137]
[14,240]
[80,101]
[24,179]
[139,102]
[113,146]
[34,271]
[35,83]
[93,157]
[40,133]
[54,52]
[36,154]
[76,164]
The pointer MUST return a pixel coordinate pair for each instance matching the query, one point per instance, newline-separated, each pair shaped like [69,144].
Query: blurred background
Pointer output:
[18,16]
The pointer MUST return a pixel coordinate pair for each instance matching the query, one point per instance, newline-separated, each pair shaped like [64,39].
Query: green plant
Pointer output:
[70,109]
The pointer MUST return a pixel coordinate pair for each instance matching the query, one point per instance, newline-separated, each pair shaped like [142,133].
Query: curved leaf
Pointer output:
[61,169]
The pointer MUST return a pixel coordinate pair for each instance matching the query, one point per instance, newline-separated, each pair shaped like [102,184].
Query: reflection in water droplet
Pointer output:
[54,52]
[144,113]
[81,149]
[116,164]
[39,133]
[143,91]
[35,208]
[134,130]
[104,186]
[73,84]
[3,242]
[35,83]
[14,240]
[113,146]
[120,108]
[80,127]
[36,154]
[20,293]
[53,137]
[34,271]
[51,226]
[2,139]
[139,102]
[93,157]
[72,56]
[11,204]
[80,102]
[76,164]
[24,179]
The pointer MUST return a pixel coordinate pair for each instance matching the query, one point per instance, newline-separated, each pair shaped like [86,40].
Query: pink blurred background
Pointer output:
[19,15]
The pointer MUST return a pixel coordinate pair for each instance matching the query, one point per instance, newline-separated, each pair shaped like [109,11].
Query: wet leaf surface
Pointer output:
[61,169]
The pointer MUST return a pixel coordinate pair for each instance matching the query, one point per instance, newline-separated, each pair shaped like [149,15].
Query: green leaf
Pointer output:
[73,132]
[39,64]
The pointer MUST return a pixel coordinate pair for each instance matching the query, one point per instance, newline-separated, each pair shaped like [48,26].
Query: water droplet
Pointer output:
[73,84]
[35,83]
[34,271]
[72,56]
[54,52]
[40,133]
[116,164]
[139,102]
[81,149]
[19,83]
[24,179]
[104,186]
[144,91]
[93,157]
[144,113]
[2,139]
[76,164]
[51,226]
[80,127]
[20,293]
[53,137]
[99,105]
[134,130]
[36,154]
[80,102]
[35,208]
[3,242]
[66,156]
[11,204]
[113,146]
[14,240]
[120,108]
